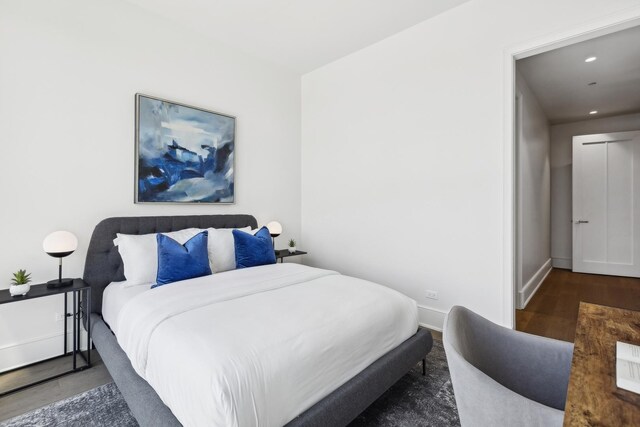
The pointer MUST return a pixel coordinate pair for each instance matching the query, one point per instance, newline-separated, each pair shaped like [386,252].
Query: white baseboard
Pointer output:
[564,263]
[17,354]
[529,290]
[431,318]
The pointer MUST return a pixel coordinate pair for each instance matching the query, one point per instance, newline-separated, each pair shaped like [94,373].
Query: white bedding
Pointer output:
[115,296]
[259,346]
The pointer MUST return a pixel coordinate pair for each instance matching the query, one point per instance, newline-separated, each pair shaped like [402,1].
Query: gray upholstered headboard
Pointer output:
[104,265]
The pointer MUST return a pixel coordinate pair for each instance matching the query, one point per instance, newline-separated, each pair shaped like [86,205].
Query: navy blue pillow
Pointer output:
[253,250]
[180,262]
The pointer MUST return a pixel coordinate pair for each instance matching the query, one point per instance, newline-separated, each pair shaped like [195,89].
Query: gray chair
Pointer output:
[503,377]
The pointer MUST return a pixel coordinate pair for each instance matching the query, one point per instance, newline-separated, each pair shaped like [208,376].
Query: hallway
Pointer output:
[553,310]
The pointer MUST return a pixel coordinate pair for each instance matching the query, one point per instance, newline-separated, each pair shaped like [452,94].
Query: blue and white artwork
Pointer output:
[185,154]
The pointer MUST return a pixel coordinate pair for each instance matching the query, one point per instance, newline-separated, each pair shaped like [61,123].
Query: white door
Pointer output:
[606,204]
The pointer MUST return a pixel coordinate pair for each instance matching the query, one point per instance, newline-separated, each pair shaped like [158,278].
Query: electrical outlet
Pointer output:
[431,294]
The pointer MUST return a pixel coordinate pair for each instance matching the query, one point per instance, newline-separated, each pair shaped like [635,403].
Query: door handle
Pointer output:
[582,221]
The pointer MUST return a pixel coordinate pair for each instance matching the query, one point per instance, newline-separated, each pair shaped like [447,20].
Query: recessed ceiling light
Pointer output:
[593,112]
[590,59]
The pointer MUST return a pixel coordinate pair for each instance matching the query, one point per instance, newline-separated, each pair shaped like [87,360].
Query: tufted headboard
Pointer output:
[104,264]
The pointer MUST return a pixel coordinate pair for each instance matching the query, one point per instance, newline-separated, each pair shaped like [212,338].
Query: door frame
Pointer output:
[609,24]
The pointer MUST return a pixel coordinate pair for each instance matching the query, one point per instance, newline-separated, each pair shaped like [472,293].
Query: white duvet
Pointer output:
[259,346]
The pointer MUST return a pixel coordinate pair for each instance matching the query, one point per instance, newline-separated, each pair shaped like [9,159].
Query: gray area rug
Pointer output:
[415,400]
[102,406]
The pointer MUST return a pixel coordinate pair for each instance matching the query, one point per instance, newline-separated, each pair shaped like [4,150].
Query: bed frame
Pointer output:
[104,265]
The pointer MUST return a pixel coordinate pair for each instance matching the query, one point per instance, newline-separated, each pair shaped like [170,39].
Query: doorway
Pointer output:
[577,181]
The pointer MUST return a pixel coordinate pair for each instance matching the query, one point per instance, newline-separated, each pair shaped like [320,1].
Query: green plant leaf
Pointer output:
[21,277]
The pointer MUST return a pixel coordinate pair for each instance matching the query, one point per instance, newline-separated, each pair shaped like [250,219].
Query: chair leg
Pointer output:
[424,366]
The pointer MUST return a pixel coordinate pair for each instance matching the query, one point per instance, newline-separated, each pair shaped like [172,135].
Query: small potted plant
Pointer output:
[20,283]
[292,246]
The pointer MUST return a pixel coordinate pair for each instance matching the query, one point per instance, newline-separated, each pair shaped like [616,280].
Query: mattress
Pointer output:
[115,296]
[257,346]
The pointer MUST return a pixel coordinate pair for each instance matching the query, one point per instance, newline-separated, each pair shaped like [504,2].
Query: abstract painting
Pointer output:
[183,154]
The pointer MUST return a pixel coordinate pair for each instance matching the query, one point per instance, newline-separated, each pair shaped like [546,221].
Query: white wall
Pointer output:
[69,70]
[403,156]
[561,169]
[534,199]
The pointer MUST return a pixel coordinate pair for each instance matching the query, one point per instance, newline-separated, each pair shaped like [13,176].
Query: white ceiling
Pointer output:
[560,78]
[301,35]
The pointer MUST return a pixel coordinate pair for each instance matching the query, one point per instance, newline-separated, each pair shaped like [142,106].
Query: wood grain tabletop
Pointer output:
[593,399]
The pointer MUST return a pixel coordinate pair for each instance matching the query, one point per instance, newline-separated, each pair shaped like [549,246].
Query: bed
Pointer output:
[256,367]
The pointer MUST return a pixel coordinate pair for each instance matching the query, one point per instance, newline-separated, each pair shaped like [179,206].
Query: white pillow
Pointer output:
[222,252]
[139,254]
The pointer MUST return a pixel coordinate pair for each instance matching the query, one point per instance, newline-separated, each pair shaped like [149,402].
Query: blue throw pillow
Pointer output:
[180,262]
[253,250]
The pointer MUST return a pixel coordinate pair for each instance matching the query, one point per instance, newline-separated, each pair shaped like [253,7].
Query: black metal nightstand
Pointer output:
[78,288]
[284,253]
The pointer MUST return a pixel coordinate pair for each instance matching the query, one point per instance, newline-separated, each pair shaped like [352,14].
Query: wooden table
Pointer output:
[593,398]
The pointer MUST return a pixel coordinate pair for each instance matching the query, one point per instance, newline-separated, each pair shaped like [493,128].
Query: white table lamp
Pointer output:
[60,244]
[275,229]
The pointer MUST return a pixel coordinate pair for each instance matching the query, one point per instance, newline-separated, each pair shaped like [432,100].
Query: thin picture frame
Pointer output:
[137,159]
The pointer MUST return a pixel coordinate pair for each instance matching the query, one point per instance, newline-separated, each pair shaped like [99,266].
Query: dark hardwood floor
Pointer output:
[553,310]
[51,391]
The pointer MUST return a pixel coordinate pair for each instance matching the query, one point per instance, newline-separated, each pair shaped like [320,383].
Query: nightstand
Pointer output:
[284,253]
[79,289]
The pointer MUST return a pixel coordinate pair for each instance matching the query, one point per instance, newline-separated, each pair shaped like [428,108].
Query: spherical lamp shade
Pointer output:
[60,244]
[275,228]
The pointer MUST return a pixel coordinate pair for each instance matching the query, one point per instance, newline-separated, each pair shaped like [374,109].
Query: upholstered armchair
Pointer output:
[503,377]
